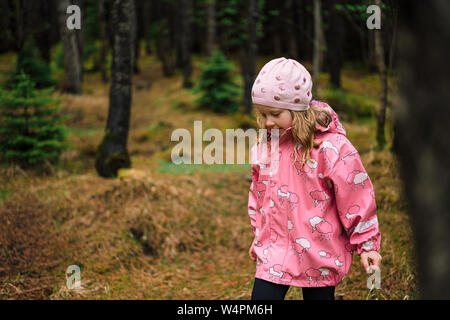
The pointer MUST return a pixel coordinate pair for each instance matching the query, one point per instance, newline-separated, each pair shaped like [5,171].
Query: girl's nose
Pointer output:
[269,123]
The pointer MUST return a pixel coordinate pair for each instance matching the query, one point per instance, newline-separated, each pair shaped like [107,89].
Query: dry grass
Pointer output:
[158,235]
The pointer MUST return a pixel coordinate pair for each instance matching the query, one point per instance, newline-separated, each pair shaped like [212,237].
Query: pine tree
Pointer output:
[218,92]
[30,62]
[31,132]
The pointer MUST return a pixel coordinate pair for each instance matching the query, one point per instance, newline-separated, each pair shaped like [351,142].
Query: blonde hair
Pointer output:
[303,130]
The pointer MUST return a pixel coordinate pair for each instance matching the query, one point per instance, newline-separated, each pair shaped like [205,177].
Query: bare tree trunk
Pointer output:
[43,40]
[289,26]
[248,55]
[318,36]
[164,48]
[4,25]
[422,136]
[18,7]
[138,4]
[103,41]
[336,42]
[275,27]
[186,41]
[178,34]
[80,34]
[303,43]
[71,52]
[277,44]
[112,153]
[146,9]
[372,63]
[379,54]
[211,40]
[393,48]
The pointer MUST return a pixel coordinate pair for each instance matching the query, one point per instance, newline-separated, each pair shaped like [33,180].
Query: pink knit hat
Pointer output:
[283,83]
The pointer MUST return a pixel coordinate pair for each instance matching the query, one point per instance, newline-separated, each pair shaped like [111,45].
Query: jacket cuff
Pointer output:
[373,244]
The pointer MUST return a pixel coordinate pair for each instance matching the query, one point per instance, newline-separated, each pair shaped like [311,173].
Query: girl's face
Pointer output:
[275,118]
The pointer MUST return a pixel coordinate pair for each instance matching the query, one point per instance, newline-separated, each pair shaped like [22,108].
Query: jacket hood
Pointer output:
[335,125]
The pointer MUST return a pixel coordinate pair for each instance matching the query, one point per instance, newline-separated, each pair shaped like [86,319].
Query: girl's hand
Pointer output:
[370,258]
[251,252]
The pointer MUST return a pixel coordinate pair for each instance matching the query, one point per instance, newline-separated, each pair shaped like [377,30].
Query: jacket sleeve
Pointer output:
[355,200]
[252,198]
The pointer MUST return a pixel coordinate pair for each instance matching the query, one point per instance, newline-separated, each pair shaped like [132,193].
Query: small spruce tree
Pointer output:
[216,87]
[30,62]
[31,131]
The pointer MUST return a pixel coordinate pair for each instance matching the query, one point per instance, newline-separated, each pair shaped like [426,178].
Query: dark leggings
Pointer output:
[265,290]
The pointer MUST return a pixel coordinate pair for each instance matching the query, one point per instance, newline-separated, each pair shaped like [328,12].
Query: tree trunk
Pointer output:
[43,40]
[18,7]
[422,137]
[112,153]
[317,61]
[80,33]
[275,27]
[211,20]
[393,48]
[248,55]
[178,35]
[186,41]
[379,54]
[4,25]
[336,42]
[302,38]
[71,52]
[164,47]
[146,23]
[138,4]
[289,26]
[372,63]
[103,41]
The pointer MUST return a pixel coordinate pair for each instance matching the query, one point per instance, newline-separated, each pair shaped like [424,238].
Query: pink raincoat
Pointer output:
[308,221]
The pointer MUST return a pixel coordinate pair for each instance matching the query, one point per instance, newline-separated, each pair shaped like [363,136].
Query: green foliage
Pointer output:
[356,13]
[355,8]
[232,22]
[353,105]
[30,62]
[31,132]
[218,92]
[361,8]
[59,57]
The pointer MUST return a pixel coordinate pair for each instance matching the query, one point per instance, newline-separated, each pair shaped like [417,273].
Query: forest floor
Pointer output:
[166,231]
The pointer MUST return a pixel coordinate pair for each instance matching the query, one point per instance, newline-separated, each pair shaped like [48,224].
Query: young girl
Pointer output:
[313,204]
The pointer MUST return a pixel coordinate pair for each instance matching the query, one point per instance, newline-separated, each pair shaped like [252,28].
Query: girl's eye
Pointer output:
[276,115]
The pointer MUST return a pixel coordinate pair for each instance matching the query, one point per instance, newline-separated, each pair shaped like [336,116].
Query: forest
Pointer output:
[91,92]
